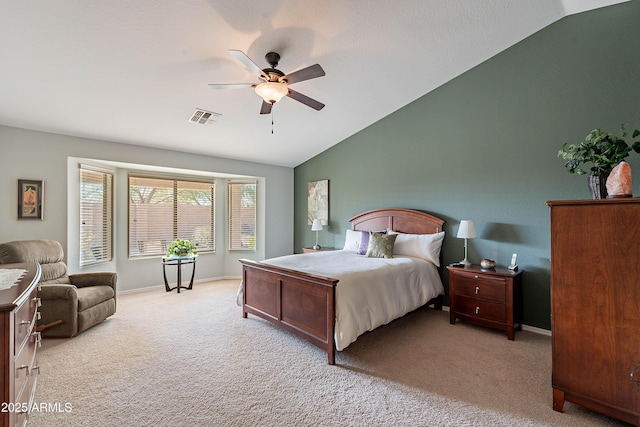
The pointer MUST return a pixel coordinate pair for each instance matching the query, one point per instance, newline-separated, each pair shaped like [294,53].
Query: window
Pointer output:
[96,215]
[242,216]
[162,210]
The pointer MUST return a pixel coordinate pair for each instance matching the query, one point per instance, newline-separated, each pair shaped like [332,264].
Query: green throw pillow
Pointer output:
[381,245]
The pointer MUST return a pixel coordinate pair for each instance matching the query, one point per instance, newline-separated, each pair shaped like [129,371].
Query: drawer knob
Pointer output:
[477,310]
[25,367]
[25,322]
[38,301]
[38,338]
[477,290]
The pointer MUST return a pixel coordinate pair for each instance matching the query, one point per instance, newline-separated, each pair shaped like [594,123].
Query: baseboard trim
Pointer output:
[155,287]
[533,329]
[536,330]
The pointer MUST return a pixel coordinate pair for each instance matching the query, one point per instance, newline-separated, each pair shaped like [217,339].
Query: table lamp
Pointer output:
[466,231]
[316,226]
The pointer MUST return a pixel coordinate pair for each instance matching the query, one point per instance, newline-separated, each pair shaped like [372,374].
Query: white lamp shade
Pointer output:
[316,225]
[467,230]
[272,92]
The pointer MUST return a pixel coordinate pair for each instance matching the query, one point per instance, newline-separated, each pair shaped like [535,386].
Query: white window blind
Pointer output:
[162,210]
[96,215]
[195,213]
[242,215]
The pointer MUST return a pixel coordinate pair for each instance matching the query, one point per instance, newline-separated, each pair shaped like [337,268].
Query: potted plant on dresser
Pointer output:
[603,151]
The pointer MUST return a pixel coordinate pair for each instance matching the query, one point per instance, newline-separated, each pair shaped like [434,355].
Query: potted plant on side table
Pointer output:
[182,248]
[601,149]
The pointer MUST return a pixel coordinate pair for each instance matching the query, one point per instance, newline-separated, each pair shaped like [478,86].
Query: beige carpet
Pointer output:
[191,360]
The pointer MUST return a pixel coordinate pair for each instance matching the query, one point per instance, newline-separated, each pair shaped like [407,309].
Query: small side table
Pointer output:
[179,261]
[311,250]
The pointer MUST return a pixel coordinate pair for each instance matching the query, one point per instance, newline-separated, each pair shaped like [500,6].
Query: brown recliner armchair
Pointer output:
[79,300]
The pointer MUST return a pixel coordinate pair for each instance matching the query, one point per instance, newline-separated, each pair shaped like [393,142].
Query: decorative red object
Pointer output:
[619,181]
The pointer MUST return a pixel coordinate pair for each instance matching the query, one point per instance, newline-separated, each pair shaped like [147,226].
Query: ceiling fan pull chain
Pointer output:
[271,119]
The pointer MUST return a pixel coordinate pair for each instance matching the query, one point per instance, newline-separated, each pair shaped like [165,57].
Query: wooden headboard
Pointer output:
[400,220]
[397,219]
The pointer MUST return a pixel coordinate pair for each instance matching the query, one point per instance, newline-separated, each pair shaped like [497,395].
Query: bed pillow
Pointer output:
[425,246]
[352,241]
[381,245]
[357,241]
[364,243]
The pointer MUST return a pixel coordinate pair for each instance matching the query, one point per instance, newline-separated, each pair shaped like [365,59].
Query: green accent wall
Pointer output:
[484,146]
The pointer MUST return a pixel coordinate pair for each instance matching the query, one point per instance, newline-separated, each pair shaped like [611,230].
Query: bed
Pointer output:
[296,293]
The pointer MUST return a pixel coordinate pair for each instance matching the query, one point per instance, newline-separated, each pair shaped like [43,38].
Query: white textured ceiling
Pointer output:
[134,71]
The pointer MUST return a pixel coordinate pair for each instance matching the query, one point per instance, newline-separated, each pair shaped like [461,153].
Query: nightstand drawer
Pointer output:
[486,287]
[481,309]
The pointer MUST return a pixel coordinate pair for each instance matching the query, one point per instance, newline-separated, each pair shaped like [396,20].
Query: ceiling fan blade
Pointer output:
[242,57]
[305,100]
[310,72]
[232,86]
[266,108]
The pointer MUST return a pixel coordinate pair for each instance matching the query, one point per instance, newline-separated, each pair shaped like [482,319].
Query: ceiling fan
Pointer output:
[275,83]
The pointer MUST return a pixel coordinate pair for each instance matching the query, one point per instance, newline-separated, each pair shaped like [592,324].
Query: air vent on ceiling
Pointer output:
[204,117]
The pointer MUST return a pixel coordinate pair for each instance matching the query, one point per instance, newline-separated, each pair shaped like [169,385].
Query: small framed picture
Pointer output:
[318,202]
[30,199]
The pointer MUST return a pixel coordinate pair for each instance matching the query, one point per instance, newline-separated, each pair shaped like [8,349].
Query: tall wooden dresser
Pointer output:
[595,305]
[19,339]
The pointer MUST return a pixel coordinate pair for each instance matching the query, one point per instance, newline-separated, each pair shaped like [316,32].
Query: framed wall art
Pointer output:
[30,199]
[318,202]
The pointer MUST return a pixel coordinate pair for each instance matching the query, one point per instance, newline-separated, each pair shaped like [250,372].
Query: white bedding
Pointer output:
[371,291]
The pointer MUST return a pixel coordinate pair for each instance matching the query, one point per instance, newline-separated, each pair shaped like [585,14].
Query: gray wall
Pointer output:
[484,146]
[54,158]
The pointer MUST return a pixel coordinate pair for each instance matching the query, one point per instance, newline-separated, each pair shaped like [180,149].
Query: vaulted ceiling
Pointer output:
[134,72]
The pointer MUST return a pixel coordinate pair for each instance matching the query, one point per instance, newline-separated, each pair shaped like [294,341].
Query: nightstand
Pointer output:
[491,298]
[311,250]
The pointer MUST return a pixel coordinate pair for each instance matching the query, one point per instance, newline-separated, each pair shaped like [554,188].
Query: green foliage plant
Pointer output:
[601,149]
[181,247]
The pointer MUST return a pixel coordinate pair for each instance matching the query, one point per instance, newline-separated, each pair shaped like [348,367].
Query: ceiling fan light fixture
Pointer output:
[272,92]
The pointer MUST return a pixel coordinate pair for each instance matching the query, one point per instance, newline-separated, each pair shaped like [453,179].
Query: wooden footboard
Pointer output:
[301,303]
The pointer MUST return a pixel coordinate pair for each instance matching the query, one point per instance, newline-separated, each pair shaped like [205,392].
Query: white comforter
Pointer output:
[371,291]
